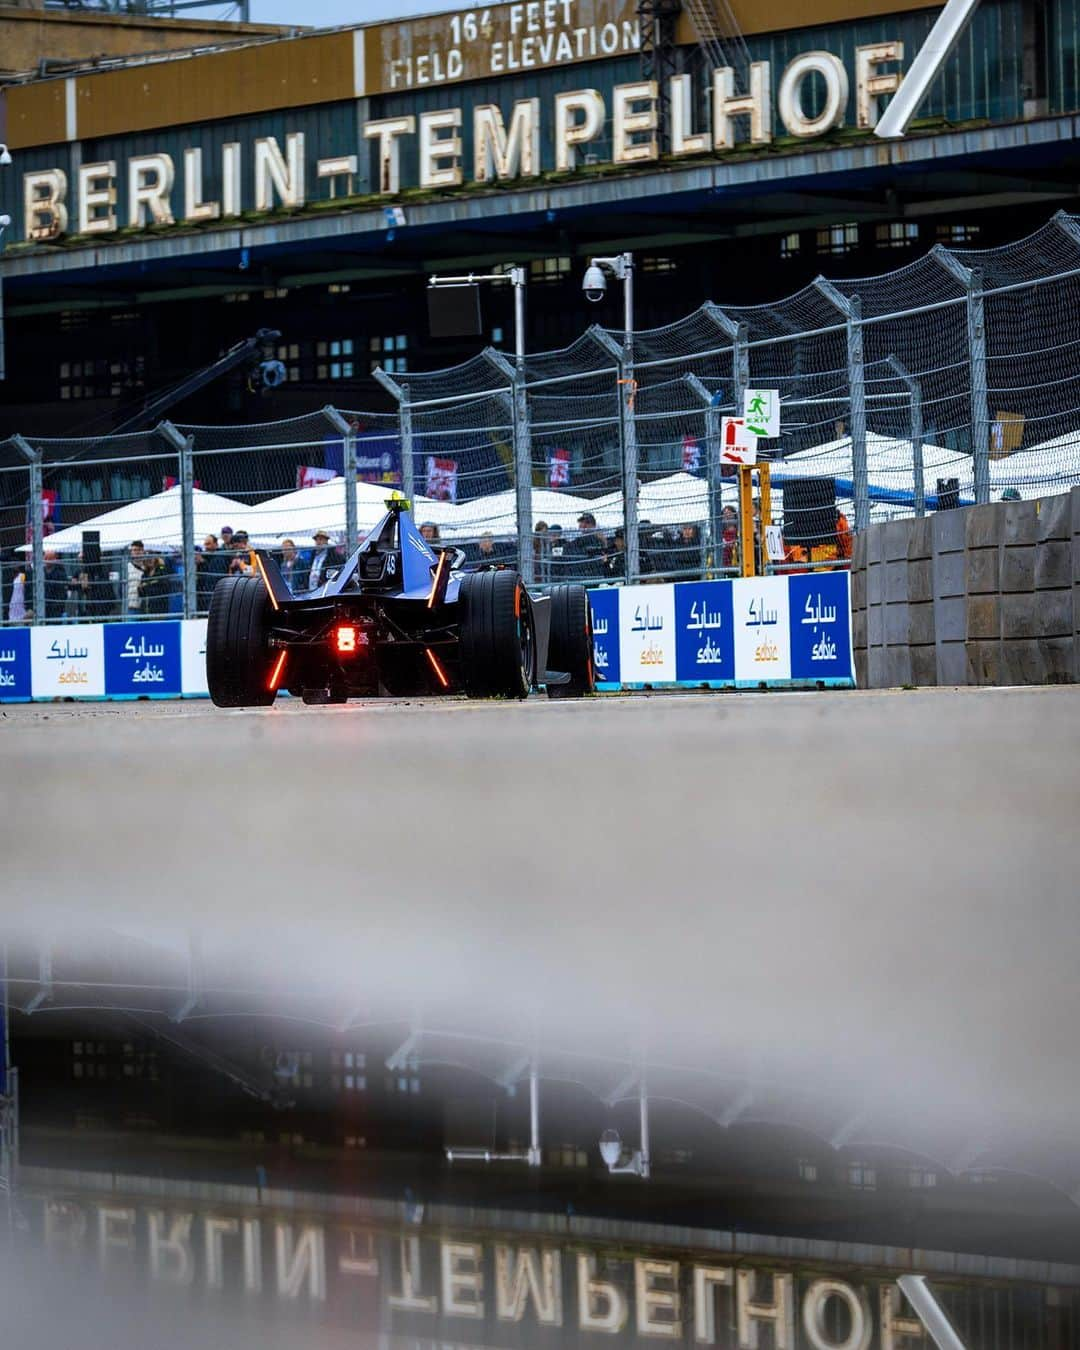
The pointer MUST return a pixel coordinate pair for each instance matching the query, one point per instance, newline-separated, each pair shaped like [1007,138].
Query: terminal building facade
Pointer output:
[165,207]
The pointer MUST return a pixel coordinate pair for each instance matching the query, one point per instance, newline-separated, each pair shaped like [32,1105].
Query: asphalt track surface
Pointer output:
[883,885]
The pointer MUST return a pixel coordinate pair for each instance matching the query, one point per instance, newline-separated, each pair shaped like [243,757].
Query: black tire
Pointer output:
[570,645]
[238,658]
[497,645]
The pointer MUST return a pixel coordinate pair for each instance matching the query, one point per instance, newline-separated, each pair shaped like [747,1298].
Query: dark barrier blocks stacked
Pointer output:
[989,595]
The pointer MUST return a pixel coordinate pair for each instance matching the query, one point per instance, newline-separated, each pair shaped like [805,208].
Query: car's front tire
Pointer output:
[497,639]
[239,660]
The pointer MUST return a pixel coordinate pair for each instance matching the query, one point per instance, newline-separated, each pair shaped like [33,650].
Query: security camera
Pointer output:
[5,156]
[610,1147]
[5,221]
[594,283]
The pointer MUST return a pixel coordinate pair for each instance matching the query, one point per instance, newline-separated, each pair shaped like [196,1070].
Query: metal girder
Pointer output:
[846,1131]
[929,60]
[931,1313]
[401,1055]
[623,1088]
[738,1107]
[45,981]
[194,982]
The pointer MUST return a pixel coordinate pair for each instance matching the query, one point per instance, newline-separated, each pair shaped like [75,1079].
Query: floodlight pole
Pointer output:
[517,278]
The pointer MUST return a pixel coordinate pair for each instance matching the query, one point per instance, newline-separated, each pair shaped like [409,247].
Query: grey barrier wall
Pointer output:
[987,595]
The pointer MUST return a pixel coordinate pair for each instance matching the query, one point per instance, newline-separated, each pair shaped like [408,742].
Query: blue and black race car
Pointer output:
[397,618]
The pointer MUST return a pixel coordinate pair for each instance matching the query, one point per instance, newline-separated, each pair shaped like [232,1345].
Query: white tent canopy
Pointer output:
[297,515]
[155,520]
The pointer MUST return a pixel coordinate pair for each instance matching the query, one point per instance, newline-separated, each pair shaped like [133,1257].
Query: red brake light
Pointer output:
[345,639]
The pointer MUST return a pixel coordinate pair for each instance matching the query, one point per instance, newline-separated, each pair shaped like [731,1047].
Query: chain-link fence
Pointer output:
[951,380]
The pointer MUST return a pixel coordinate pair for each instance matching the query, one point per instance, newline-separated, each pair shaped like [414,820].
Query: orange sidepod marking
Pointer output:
[266,581]
[437,668]
[436,579]
[276,676]
[517,603]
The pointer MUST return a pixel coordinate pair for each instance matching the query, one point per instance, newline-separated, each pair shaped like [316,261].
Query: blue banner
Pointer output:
[142,659]
[704,632]
[605,621]
[820,617]
[15,666]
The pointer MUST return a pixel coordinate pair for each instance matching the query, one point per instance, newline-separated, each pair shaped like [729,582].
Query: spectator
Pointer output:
[293,568]
[136,559]
[242,562]
[211,565]
[540,555]
[652,548]
[20,601]
[55,586]
[684,555]
[155,585]
[486,552]
[77,592]
[615,561]
[556,550]
[429,532]
[323,559]
[729,537]
[226,537]
[589,548]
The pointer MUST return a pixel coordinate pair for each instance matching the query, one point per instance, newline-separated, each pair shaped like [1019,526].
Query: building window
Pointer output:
[338,288]
[381,350]
[838,239]
[897,234]
[102,378]
[921,1178]
[807,1170]
[862,1176]
[237,297]
[790,245]
[658,265]
[549,269]
[957,234]
[278,293]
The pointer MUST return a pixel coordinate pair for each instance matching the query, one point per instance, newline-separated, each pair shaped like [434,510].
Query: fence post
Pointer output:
[519,416]
[914,389]
[184,445]
[400,393]
[624,366]
[740,354]
[348,448]
[850,306]
[971,279]
[712,462]
[37,526]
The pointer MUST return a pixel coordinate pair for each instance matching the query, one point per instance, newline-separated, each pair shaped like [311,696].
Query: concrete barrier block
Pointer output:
[1018,617]
[1053,614]
[921,631]
[1074,509]
[947,530]
[1018,569]
[858,589]
[897,533]
[1053,564]
[875,584]
[861,669]
[858,628]
[983,525]
[897,666]
[875,544]
[951,663]
[896,581]
[875,668]
[1059,663]
[875,626]
[1022,662]
[896,625]
[1055,517]
[920,579]
[858,552]
[1075,548]
[950,619]
[983,662]
[983,617]
[1021,522]
[949,574]
[924,666]
[920,538]
[982,571]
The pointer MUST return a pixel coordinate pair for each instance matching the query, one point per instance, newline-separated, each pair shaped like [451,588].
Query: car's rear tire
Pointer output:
[497,640]
[238,656]
[570,645]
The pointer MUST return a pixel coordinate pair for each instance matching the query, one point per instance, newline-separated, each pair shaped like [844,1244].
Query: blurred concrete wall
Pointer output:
[988,595]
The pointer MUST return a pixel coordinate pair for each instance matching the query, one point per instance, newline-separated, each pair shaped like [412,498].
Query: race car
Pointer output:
[398,618]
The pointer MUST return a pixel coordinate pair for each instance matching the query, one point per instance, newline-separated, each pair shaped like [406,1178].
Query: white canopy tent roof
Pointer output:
[297,515]
[155,520]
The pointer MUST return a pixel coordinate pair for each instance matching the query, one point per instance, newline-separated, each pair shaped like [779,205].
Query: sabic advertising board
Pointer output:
[193,658]
[647,634]
[820,626]
[704,633]
[14,665]
[605,620]
[67,661]
[762,630]
[142,660]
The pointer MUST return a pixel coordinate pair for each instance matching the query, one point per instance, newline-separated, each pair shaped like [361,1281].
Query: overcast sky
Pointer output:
[330,13]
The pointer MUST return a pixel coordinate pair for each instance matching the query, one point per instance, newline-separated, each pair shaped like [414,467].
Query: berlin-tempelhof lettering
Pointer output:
[447,1279]
[502,151]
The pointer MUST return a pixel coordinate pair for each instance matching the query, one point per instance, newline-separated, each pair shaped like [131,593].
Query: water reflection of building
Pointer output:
[525,1275]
